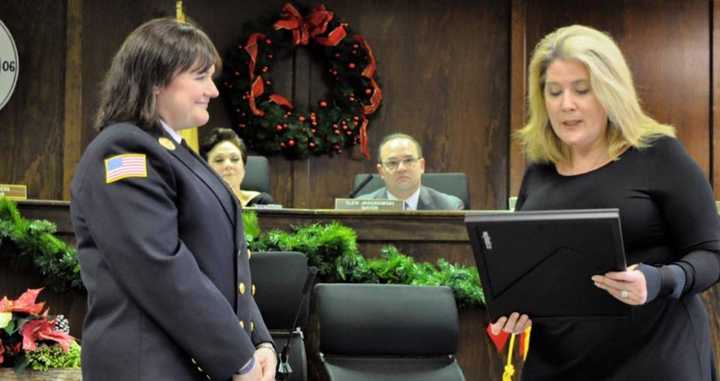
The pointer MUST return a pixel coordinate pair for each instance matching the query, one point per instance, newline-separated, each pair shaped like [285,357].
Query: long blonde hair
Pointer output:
[611,83]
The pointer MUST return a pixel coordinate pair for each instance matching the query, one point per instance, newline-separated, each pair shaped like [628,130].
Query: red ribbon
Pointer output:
[252,49]
[375,99]
[364,139]
[312,26]
[319,20]
[282,101]
[292,20]
[333,37]
[369,71]
[257,88]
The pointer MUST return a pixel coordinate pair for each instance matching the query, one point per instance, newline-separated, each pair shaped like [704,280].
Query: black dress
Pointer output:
[668,217]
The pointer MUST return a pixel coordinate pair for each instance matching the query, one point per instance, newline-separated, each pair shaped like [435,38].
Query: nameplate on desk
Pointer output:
[13,191]
[367,204]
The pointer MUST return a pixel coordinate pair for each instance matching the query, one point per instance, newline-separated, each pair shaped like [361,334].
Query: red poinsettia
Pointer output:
[25,303]
[24,324]
[42,329]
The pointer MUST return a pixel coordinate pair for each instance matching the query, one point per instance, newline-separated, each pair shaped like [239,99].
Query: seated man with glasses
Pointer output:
[401,167]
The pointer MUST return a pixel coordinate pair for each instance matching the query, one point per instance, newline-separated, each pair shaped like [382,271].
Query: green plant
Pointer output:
[49,357]
[34,243]
[332,248]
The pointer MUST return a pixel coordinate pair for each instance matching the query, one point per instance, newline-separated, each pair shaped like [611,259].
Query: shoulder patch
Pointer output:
[124,166]
[165,142]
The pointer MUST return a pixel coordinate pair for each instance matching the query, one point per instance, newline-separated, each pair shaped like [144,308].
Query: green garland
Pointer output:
[34,243]
[332,248]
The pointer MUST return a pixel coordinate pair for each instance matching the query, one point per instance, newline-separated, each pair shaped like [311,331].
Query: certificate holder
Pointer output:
[540,263]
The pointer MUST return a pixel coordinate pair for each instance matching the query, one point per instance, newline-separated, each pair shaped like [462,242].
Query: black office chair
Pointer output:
[257,174]
[387,332]
[279,278]
[454,183]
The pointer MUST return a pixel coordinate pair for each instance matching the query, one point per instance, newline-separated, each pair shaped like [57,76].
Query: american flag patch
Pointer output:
[123,166]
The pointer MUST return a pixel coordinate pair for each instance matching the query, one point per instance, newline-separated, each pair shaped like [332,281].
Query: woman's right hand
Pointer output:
[516,324]
[254,375]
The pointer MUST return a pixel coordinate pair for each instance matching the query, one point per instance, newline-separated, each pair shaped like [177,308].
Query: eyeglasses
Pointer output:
[393,165]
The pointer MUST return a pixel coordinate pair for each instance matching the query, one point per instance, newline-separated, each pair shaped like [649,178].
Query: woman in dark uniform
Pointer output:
[160,237]
[590,145]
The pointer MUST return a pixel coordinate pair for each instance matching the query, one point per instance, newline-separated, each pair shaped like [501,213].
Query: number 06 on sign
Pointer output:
[9,65]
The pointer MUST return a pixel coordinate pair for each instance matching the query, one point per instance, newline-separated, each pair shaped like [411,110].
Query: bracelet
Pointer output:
[266,345]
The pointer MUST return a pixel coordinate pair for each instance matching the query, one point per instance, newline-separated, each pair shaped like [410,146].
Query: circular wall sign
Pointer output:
[9,65]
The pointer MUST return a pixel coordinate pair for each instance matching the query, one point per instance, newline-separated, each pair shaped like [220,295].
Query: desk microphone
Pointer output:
[284,369]
[360,186]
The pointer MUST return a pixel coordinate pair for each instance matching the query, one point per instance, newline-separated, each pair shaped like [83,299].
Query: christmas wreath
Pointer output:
[268,122]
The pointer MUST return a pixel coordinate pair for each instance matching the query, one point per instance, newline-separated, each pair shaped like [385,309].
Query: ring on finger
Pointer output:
[624,294]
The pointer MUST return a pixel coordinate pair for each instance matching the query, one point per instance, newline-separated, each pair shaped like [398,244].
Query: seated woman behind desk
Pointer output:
[227,155]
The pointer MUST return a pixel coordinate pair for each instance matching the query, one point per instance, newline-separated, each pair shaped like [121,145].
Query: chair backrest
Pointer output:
[257,174]
[453,183]
[279,279]
[388,332]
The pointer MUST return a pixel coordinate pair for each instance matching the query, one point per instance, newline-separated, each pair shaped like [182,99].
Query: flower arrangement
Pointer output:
[31,338]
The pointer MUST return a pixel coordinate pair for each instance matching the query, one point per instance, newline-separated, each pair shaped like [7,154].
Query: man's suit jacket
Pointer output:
[430,199]
[165,263]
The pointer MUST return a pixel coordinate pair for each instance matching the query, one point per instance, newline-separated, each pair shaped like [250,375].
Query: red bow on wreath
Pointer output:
[313,25]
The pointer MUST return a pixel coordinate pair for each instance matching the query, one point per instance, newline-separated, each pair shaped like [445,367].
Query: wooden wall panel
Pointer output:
[443,68]
[31,123]
[666,44]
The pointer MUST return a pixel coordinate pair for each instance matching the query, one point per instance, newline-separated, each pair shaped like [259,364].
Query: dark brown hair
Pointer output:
[220,135]
[151,56]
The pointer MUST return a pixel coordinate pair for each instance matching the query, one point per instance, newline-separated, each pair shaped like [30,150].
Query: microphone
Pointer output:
[360,186]
[284,369]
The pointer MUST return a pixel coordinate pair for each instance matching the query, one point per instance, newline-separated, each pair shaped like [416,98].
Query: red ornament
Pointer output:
[311,145]
[291,143]
[268,82]
[269,56]
[265,69]
[313,130]
[301,118]
[348,133]
[355,46]
[279,128]
[351,65]
[356,118]
[323,104]
[337,55]
[368,91]
[268,41]
[314,123]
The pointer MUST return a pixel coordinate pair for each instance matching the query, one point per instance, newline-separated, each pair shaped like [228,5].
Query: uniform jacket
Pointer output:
[430,199]
[165,264]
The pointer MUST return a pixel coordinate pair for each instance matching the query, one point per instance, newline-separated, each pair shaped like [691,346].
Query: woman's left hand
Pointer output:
[627,286]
